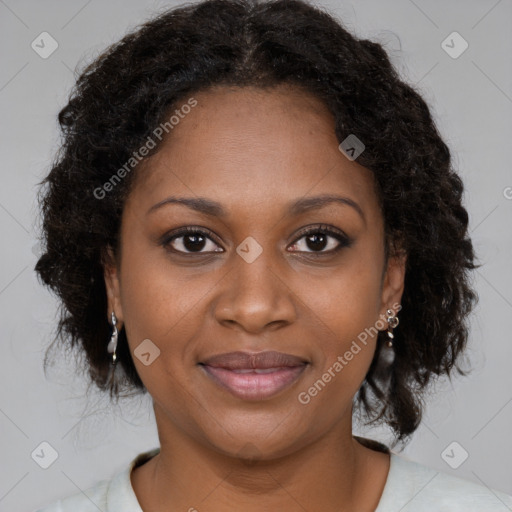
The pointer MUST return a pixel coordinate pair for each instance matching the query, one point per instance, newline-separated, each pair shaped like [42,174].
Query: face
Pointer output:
[269,264]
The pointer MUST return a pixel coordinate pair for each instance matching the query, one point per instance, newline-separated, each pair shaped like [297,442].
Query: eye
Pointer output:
[190,240]
[317,239]
[194,240]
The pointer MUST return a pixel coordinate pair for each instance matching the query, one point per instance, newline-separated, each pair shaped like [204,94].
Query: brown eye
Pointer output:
[191,240]
[317,239]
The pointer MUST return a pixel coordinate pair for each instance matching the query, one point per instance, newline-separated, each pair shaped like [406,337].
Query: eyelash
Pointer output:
[344,241]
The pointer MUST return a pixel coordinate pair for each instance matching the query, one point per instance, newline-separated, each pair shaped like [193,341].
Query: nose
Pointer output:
[255,297]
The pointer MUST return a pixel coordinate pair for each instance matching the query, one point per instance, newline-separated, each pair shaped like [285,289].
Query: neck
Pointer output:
[331,473]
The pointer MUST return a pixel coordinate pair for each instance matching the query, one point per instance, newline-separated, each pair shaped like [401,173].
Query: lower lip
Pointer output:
[255,386]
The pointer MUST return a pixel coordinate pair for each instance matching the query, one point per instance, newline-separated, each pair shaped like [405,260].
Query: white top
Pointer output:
[410,487]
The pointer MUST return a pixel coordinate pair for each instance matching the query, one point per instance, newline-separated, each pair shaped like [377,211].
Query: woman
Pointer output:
[256,221]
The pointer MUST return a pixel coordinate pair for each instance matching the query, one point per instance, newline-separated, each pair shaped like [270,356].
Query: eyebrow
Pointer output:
[215,209]
[316,202]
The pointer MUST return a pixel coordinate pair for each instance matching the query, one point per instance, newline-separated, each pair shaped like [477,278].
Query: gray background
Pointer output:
[471,98]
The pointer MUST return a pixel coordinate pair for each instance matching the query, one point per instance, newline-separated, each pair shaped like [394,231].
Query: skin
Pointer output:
[254,151]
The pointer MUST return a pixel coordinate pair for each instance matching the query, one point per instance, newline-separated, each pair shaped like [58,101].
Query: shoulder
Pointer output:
[108,495]
[94,498]
[411,486]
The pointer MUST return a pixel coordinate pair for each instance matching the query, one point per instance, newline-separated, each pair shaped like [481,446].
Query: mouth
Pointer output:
[256,376]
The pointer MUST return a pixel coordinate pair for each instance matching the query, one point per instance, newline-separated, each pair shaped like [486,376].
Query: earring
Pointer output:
[392,323]
[112,344]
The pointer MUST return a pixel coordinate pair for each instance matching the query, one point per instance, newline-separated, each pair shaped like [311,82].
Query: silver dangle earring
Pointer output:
[392,323]
[112,344]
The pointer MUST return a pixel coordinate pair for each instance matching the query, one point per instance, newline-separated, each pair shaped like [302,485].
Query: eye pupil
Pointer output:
[197,244]
[316,241]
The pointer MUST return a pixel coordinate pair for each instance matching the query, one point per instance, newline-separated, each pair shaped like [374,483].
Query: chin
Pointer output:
[258,437]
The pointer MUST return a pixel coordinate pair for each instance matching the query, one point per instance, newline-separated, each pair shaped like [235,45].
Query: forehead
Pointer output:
[248,147]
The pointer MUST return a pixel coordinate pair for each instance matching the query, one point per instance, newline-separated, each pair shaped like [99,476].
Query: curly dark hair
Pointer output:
[135,84]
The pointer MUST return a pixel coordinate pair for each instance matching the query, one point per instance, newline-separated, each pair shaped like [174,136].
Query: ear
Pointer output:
[112,285]
[393,283]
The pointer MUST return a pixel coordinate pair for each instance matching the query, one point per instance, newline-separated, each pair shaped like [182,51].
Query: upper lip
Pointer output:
[259,360]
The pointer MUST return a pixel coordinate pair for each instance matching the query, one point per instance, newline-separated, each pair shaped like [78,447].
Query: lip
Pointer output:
[254,376]
[255,360]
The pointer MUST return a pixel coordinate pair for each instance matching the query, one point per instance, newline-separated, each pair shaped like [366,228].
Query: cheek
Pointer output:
[347,300]
[343,351]
[345,310]
[156,296]
[163,303]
